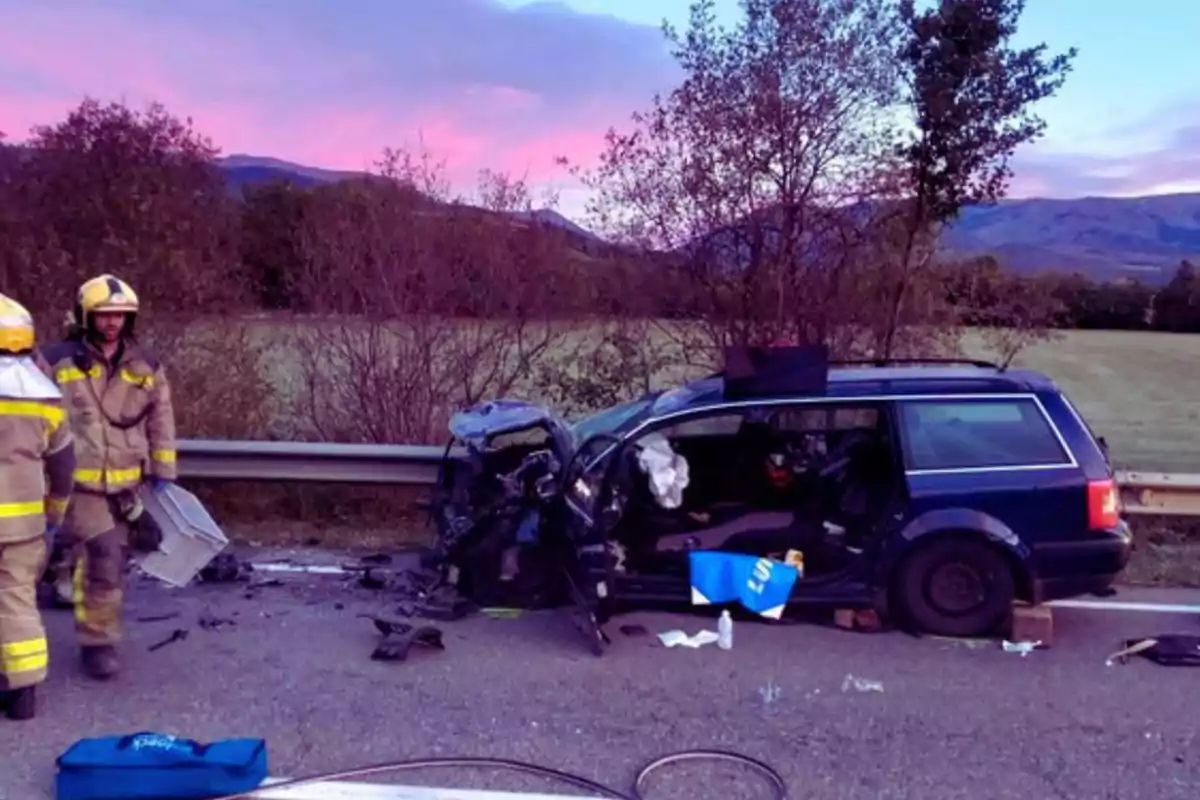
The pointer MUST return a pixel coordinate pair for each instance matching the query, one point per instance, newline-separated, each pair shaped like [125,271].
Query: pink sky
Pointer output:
[484,84]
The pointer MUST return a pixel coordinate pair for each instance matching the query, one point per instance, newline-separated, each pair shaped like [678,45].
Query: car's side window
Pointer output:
[966,434]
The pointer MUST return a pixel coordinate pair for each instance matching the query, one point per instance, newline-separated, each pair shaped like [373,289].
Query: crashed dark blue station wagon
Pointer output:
[935,492]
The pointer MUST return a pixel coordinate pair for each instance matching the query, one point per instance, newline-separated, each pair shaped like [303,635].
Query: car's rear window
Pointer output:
[967,434]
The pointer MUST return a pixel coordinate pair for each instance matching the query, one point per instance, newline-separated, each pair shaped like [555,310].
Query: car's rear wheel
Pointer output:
[955,586]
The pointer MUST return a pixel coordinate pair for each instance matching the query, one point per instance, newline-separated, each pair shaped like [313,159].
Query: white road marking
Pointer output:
[1121,605]
[344,790]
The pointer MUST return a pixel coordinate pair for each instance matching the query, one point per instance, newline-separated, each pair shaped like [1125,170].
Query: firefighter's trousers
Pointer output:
[24,656]
[97,540]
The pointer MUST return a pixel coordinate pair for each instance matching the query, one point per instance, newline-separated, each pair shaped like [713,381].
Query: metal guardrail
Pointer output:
[209,459]
[219,459]
[1176,494]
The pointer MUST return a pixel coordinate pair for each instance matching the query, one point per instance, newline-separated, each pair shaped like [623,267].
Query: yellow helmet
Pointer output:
[16,327]
[104,293]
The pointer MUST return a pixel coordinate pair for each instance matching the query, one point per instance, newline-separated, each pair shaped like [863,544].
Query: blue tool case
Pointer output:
[155,765]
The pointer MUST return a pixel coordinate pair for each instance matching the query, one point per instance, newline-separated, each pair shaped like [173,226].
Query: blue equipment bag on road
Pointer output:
[155,765]
[759,584]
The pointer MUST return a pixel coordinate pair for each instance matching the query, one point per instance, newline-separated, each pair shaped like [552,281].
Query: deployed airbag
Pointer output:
[668,471]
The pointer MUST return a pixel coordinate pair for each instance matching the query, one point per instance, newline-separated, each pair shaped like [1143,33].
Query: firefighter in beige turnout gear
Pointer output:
[118,402]
[36,465]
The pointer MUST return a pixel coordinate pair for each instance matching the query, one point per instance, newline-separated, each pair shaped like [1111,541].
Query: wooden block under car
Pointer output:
[857,619]
[1032,624]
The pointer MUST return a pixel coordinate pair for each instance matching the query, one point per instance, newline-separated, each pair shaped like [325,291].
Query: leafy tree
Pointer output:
[110,189]
[1177,306]
[273,217]
[971,95]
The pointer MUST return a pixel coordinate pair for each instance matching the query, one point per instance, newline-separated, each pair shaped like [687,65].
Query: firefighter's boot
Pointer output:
[21,704]
[101,662]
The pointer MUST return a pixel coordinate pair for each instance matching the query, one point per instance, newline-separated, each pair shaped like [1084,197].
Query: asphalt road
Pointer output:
[952,721]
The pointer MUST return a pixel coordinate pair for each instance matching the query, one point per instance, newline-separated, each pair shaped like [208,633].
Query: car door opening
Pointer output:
[812,481]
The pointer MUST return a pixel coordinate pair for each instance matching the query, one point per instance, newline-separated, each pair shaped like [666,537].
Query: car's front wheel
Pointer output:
[955,586]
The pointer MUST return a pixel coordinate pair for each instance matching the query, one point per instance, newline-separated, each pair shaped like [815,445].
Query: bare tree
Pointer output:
[752,174]
[423,302]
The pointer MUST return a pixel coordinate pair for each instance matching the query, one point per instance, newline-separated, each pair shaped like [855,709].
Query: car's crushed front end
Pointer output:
[497,504]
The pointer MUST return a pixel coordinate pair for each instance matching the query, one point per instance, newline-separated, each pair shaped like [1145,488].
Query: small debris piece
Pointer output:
[224,568]
[861,684]
[265,582]
[178,635]
[211,623]
[676,638]
[634,630]
[501,613]
[1032,624]
[399,638]
[376,558]
[1168,650]
[1024,648]
[158,617]
[972,644]
[372,580]
[387,626]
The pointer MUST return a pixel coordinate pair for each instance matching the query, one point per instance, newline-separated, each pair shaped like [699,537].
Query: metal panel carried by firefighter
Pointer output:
[191,538]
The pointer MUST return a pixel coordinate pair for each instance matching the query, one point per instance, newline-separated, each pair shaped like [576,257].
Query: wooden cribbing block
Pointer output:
[857,619]
[1032,624]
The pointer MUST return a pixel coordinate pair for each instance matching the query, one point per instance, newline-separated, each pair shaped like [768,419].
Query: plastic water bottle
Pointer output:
[725,631]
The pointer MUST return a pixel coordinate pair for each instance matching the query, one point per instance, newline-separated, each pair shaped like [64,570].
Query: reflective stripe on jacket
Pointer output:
[31,432]
[120,414]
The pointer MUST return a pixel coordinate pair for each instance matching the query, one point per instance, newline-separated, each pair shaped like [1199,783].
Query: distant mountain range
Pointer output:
[1103,237]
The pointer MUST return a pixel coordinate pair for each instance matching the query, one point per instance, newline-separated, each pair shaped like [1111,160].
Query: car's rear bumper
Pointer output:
[1070,569]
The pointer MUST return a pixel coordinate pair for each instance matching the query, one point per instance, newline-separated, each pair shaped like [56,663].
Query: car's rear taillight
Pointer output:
[1103,508]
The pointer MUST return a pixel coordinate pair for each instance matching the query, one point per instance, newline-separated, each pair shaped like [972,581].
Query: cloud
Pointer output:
[1171,165]
[330,83]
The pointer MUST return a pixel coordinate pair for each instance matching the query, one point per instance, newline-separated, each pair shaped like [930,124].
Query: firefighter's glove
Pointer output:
[145,534]
[51,536]
[158,484]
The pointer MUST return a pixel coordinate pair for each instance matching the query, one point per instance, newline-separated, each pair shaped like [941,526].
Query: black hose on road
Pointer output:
[579,782]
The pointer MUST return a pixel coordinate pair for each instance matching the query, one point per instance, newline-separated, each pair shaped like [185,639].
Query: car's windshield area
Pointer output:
[610,419]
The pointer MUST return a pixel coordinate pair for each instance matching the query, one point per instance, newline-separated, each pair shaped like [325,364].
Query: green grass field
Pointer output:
[1141,391]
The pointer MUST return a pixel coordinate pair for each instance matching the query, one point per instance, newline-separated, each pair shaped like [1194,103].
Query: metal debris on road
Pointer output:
[158,617]
[1169,650]
[178,635]
[224,568]
[861,684]
[399,639]
[212,623]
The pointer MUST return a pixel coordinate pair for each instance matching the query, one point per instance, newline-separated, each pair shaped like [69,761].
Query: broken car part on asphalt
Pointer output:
[399,638]
[1169,650]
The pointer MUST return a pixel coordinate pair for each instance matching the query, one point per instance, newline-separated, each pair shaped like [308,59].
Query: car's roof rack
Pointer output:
[888,362]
